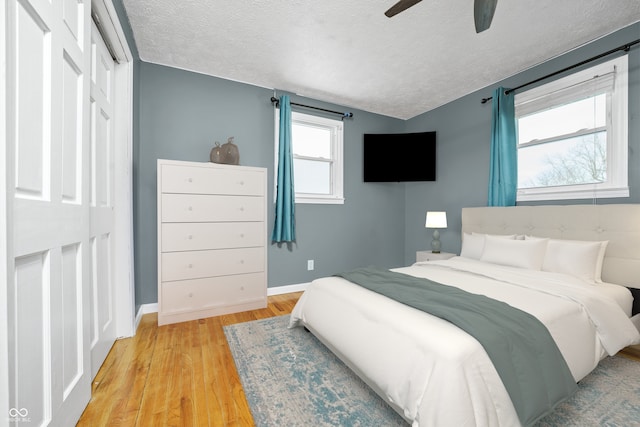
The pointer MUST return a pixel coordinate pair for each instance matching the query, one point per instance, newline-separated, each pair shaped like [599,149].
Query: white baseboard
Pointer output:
[278,290]
[144,309]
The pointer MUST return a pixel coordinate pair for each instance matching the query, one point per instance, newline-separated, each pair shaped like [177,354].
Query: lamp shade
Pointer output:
[436,220]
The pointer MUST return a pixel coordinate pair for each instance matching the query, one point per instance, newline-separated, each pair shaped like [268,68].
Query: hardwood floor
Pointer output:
[175,375]
[631,352]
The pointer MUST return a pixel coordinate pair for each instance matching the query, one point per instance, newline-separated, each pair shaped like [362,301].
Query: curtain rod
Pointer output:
[624,47]
[275,100]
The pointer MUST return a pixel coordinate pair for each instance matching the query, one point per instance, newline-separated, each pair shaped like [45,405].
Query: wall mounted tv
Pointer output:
[400,157]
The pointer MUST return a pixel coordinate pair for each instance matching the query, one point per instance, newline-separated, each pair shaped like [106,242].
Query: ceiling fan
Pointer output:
[483,11]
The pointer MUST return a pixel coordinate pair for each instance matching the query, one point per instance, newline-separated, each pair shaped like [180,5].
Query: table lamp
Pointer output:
[436,220]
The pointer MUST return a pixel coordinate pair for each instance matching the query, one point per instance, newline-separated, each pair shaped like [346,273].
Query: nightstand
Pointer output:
[430,256]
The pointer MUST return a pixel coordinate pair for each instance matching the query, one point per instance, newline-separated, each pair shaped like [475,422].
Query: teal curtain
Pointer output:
[503,169]
[284,229]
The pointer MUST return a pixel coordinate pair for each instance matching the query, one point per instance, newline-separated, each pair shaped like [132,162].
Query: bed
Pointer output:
[434,373]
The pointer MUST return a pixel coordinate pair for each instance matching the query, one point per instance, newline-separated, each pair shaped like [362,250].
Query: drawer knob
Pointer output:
[190,208]
[241,182]
[190,180]
[242,235]
[190,265]
[190,236]
[241,208]
[242,288]
[241,261]
[190,294]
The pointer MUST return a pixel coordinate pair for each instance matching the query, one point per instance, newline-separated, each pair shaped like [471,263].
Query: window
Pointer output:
[317,158]
[572,136]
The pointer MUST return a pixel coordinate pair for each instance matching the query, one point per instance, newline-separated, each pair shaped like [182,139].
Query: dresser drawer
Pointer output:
[211,292]
[180,236]
[207,208]
[212,180]
[220,262]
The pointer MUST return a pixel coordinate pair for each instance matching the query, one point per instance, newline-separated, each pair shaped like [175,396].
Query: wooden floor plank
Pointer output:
[144,347]
[225,372]
[201,413]
[154,410]
[175,375]
[178,367]
[211,388]
[631,352]
[119,384]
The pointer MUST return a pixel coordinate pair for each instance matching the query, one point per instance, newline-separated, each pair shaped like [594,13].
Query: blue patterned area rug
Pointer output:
[291,379]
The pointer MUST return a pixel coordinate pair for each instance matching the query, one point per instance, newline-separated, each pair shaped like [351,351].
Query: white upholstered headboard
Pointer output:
[619,224]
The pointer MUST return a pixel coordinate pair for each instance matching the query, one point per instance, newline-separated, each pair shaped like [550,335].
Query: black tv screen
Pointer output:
[400,157]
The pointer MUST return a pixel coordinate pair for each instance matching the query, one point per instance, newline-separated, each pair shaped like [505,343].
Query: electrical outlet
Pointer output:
[309,264]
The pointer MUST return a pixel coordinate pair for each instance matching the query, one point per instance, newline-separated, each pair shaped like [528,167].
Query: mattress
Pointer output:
[433,373]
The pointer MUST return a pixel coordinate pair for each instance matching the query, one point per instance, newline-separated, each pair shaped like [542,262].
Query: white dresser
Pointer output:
[212,235]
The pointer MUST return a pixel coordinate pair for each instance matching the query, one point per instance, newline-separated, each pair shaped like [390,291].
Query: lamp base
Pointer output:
[435,243]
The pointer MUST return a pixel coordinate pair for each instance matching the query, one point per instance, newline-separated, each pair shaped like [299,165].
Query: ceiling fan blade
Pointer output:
[400,6]
[483,11]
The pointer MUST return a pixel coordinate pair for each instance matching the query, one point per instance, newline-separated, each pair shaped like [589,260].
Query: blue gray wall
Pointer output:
[183,113]
[179,114]
[463,135]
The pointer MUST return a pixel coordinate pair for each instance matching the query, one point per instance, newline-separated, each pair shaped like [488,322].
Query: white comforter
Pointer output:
[435,374]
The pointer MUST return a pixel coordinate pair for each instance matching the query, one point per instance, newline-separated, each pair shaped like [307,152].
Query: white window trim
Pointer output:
[337,172]
[617,184]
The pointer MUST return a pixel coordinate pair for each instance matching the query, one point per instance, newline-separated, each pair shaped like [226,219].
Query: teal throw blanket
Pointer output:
[521,348]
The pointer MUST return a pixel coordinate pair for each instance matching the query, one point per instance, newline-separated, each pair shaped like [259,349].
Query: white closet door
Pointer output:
[48,53]
[103,315]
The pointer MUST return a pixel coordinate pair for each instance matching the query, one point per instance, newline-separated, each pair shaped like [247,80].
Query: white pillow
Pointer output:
[528,237]
[472,246]
[527,254]
[501,236]
[603,250]
[575,257]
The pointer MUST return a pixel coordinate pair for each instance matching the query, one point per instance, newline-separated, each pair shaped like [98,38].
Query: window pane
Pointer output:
[312,177]
[311,141]
[580,160]
[584,114]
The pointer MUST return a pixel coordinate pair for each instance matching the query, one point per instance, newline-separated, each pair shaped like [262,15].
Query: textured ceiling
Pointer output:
[349,53]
